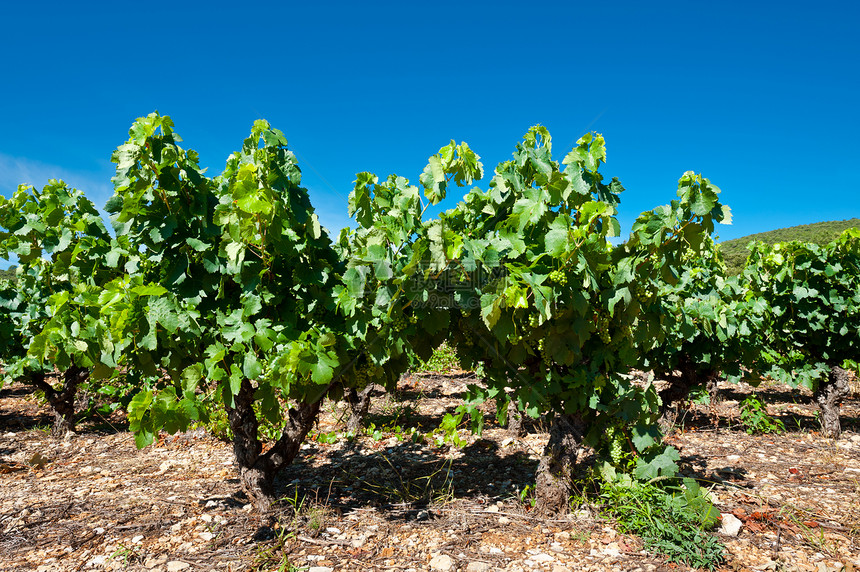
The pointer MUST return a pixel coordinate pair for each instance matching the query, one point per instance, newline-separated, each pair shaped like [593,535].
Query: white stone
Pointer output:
[207,536]
[477,567]
[152,562]
[542,558]
[442,562]
[137,539]
[177,565]
[503,520]
[320,569]
[731,525]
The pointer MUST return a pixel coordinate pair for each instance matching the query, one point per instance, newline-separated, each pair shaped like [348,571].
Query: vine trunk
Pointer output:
[828,395]
[62,400]
[257,470]
[554,482]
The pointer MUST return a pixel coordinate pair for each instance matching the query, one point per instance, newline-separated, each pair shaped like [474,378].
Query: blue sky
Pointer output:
[761,98]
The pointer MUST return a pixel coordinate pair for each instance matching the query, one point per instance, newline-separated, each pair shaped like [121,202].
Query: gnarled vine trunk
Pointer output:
[828,395]
[680,385]
[359,404]
[257,470]
[62,401]
[554,482]
[515,419]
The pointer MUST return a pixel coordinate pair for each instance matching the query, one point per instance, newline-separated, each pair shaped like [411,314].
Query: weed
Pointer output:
[527,495]
[700,396]
[755,418]
[670,520]
[125,554]
[329,438]
[44,428]
[313,517]
[275,557]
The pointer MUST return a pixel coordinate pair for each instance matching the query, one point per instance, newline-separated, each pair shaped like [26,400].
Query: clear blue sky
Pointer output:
[762,98]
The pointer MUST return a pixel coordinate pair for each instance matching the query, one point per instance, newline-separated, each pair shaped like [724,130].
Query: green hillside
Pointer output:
[735,251]
[7,274]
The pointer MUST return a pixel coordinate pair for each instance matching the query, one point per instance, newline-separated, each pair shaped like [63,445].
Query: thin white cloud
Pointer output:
[16,171]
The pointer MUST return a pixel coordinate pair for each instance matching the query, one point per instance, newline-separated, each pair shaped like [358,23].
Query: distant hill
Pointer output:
[735,251]
[8,274]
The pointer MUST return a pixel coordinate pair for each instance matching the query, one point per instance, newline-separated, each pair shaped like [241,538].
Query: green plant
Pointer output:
[709,326]
[274,556]
[51,318]
[700,396]
[228,296]
[671,520]
[328,438]
[549,311]
[813,293]
[755,418]
[126,554]
[526,495]
[443,360]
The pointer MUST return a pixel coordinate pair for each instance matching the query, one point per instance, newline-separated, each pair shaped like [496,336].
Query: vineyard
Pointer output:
[605,402]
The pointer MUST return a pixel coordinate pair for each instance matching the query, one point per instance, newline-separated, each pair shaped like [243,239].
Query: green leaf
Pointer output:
[251,367]
[149,290]
[662,464]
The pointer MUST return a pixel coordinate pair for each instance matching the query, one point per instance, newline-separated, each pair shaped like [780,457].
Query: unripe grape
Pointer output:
[616,450]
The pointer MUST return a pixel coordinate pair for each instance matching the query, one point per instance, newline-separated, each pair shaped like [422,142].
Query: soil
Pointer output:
[92,501]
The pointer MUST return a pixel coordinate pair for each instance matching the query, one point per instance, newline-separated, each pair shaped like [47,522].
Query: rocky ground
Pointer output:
[393,499]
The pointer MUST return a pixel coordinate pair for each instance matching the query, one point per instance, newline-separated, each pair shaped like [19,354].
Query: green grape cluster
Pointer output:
[534,320]
[601,322]
[399,323]
[365,372]
[413,319]
[544,355]
[468,341]
[558,277]
[318,311]
[645,295]
[616,445]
